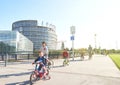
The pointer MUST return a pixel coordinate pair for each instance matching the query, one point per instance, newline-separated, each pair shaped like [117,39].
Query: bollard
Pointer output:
[6,56]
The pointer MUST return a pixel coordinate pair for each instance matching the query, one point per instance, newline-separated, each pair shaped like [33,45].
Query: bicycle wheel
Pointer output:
[50,64]
[64,62]
[33,78]
[47,75]
[67,62]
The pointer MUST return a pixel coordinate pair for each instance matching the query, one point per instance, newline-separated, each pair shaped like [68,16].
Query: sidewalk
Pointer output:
[98,71]
[99,65]
[15,68]
[88,72]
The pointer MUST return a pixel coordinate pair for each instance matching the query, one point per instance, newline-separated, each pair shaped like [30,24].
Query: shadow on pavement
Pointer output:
[79,60]
[58,66]
[20,83]
[15,74]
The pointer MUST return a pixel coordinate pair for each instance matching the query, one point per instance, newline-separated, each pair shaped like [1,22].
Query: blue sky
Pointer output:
[101,17]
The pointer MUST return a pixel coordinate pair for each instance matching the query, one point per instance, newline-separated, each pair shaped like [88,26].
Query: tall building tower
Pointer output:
[37,34]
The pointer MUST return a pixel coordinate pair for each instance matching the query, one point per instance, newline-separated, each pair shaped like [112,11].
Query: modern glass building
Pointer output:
[37,34]
[14,42]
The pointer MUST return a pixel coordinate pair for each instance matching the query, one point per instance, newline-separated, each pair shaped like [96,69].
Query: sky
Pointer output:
[90,17]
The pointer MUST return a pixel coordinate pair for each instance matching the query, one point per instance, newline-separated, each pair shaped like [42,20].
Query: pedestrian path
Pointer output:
[88,72]
[99,65]
[98,71]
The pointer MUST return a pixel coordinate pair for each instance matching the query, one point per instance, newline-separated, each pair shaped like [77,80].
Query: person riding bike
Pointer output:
[66,57]
[40,67]
[41,57]
[40,63]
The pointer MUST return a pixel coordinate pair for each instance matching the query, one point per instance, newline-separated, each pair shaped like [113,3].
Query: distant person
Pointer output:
[82,54]
[90,52]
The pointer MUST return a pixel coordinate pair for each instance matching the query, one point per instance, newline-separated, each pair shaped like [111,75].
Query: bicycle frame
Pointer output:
[37,75]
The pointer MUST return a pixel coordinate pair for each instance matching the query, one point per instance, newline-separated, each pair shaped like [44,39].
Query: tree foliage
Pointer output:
[6,48]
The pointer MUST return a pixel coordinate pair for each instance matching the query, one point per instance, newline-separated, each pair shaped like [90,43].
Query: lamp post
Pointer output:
[5,55]
[95,42]
[72,30]
[1,50]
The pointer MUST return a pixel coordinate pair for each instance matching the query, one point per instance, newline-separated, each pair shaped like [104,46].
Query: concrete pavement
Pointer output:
[100,65]
[98,71]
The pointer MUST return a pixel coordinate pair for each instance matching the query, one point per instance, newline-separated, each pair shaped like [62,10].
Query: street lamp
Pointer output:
[95,42]
[72,30]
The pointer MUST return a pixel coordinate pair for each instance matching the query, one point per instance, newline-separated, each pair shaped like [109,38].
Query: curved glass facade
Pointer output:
[15,43]
[37,34]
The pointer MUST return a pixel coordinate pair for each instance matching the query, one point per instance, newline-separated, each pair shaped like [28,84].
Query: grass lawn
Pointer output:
[116,59]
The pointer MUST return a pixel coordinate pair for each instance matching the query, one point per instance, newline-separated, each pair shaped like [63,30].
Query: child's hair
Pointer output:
[39,51]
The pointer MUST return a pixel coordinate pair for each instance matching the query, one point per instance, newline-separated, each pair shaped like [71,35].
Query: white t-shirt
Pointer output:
[45,51]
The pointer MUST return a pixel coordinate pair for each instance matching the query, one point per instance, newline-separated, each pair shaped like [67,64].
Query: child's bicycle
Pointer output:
[36,75]
[65,62]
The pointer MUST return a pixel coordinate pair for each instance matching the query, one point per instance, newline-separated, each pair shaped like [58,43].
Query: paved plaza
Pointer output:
[98,71]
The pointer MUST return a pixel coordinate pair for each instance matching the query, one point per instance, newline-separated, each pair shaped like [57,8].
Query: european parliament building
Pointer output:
[37,34]
[13,42]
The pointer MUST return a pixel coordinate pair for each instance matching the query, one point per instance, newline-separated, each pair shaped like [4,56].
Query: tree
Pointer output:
[6,48]
[2,48]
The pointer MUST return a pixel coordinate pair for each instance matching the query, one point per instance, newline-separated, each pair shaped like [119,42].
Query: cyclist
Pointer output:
[65,56]
[40,66]
[41,57]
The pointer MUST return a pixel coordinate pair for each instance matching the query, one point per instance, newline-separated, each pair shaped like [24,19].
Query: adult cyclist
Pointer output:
[66,57]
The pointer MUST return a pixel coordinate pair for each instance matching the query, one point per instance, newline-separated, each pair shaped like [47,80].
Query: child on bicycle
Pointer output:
[40,63]
[41,57]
